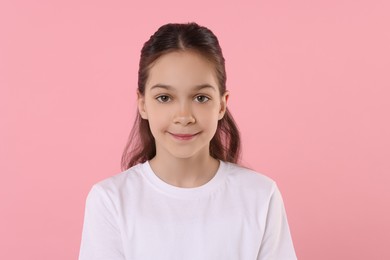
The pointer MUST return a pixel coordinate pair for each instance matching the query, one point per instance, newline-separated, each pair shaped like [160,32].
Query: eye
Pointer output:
[202,99]
[163,99]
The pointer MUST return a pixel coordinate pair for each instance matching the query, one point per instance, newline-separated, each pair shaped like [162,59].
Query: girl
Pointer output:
[181,194]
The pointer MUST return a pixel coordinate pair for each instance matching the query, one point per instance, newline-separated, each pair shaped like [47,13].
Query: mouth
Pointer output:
[183,136]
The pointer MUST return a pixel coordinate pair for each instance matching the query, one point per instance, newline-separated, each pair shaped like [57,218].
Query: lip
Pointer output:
[184,136]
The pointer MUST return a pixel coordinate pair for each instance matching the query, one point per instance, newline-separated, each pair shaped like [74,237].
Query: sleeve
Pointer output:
[277,242]
[101,238]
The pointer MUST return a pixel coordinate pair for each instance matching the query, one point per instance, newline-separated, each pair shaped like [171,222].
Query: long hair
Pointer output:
[226,144]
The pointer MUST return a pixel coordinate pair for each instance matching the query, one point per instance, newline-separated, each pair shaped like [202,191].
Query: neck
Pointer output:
[185,172]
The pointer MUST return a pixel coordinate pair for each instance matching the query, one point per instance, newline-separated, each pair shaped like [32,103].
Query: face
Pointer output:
[182,104]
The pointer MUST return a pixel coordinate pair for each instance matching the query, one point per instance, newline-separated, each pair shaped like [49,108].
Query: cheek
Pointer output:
[208,114]
[157,116]
[156,122]
[210,122]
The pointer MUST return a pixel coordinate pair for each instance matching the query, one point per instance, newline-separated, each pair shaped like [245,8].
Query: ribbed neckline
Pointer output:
[185,193]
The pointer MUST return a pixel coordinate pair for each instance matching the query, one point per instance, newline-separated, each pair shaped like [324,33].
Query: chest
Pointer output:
[217,227]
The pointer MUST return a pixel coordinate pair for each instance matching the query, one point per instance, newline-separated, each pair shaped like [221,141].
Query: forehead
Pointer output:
[182,69]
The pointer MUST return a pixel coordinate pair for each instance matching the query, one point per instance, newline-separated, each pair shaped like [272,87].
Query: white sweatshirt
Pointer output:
[239,214]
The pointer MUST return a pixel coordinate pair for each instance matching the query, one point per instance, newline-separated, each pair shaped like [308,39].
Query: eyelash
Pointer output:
[159,97]
[196,98]
[203,96]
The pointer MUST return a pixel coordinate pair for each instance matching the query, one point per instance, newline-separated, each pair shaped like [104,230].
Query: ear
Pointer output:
[223,108]
[141,105]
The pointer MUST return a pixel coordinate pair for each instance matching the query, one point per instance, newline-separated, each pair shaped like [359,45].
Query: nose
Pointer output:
[184,115]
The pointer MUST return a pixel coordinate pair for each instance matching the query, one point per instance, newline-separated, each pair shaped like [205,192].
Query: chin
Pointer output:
[182,153]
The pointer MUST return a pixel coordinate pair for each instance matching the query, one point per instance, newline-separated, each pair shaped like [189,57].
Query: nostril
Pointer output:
[184,120]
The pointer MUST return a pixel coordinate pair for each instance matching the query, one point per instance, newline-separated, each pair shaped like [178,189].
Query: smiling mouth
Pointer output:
[184,136]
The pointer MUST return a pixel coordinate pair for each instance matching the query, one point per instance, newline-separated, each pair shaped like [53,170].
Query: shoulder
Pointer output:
[249,179]
[119,182]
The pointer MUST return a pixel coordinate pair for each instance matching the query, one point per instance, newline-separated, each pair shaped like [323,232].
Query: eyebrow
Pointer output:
[197,87]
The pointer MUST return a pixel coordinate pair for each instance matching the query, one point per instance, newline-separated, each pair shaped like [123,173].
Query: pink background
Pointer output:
[309,84]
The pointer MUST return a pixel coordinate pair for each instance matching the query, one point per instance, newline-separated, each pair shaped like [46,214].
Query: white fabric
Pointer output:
[239,214]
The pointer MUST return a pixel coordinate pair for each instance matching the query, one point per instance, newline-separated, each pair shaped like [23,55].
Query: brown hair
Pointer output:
[225,145]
